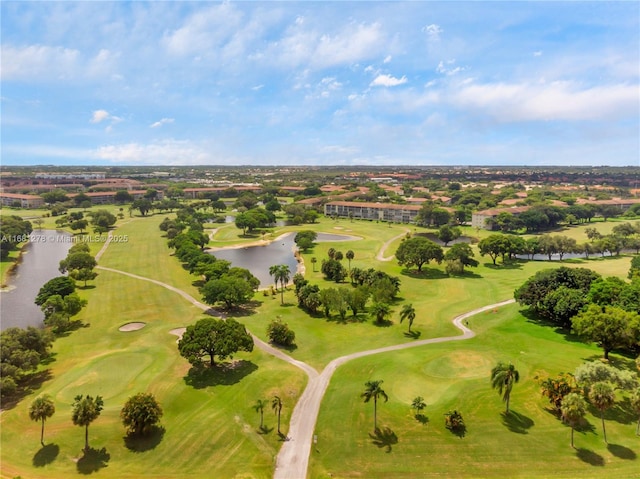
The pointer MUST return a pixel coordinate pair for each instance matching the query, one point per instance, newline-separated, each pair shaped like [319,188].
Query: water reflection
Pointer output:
[40,262]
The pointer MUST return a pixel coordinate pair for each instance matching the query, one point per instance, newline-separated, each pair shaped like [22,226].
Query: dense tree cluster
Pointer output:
[418,251]
[279,333]
[14,230]
[21,353]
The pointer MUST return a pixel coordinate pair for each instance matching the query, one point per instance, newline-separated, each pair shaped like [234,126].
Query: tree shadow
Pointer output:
[385,323]
[31,382]
[46,455]
[517,422]
[93,460]
[421,418]
[459,431]
[426,273]
[264,430]
[622,452]
[225,374]
[412,334]
[144,442]
[384,438]
[590,457]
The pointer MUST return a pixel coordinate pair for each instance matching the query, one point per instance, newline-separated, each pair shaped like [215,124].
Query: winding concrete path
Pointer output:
[380,256]
[293,459]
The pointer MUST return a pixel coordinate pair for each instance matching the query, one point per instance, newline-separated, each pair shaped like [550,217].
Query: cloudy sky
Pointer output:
[302,83]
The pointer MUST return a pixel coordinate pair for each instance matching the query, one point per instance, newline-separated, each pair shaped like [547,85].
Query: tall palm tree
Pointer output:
[331,252]
[409,313]
[284,274]
[349,255]
[635,405]
[276,405]
[418,404]
[259,407]
[314,260]
[503,377]
[42,408]
[373,391]
[273,271]
[573,409]
[86,409]
[601,395]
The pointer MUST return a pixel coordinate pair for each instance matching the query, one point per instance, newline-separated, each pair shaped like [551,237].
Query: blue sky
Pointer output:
[312,83]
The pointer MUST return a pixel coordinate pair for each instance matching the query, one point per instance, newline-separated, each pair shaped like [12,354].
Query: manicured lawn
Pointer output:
[210,428]
[530,442]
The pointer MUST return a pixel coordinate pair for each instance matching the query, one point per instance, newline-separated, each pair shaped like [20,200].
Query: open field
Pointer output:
[210,428]
[530,442]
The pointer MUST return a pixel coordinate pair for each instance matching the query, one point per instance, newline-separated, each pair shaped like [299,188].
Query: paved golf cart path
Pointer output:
[293,459]
[380,256]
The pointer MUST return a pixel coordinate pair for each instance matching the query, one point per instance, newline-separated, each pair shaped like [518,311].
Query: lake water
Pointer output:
[40,262]
[258,259]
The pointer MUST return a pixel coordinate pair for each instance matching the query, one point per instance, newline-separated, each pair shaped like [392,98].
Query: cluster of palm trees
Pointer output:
[281,274]
[276,405]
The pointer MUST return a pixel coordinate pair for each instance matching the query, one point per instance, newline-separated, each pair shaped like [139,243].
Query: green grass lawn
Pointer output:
[530,442]
[210,428]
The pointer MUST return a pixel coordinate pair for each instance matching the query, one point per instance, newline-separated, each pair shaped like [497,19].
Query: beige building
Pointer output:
[26,201]
[372,211]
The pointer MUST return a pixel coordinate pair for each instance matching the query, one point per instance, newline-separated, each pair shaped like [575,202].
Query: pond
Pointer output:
[258,259]
[40,261]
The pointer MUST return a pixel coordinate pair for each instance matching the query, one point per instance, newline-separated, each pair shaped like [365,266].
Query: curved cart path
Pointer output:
[380,256]
[293,458]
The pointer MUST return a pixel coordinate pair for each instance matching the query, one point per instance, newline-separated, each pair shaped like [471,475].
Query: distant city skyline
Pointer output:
[320,83]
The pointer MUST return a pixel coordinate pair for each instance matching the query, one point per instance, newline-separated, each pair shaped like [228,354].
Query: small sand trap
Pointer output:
[132,326]
[178,332]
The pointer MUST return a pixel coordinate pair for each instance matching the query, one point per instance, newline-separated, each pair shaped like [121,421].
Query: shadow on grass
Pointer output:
[46,455]
[412,334]
[421,418]
[93,460]
[426,273]
[224,374]
[517,422]
[289,348]
[144,442]
[384,438]
[385,323]
[264,430]
[622,452]
[590,457]
[31,382]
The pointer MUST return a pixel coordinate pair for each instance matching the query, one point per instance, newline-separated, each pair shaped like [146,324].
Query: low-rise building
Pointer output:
[372,211]
[26,201]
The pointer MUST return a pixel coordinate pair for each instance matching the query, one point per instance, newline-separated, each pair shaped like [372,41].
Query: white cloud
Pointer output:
[387,59]
[433,31]
[166,152]
[554,101]
[388,80]
[538,53]
[447,68]
[161,122]
[38,62]
[99,115]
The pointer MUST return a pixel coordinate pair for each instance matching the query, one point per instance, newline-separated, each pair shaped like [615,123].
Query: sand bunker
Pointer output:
[178,332]
[132,326]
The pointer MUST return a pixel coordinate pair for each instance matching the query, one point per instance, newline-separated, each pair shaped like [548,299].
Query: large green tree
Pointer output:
[573,409]
[609,327]
[635,406]
[503,377]
[214,337]
[61,285]
[373,390]
[86,409]
[141,413]
[41,409]
[418,251]
[230,290]
[463,253]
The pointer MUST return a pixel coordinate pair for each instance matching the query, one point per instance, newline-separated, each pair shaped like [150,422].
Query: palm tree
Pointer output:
[418,404]
[281,273]
[259,407]
[635,405]
[503,377]
[331,253]
[408,312]
[380,311]
[276,405]
[349,255]
[601,395]
[41,409]
[373,390]
[314,260]
[86,409]
[573,409]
